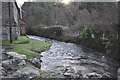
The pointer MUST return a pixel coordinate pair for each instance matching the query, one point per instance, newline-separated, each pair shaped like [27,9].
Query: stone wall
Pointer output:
[6,35]
[0,20]
[5,20]
[57,32]
[54,32]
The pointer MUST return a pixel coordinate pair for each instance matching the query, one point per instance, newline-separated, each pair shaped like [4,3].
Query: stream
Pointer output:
[73,60]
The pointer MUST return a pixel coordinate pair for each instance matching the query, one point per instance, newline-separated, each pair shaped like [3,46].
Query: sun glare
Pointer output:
[66,1]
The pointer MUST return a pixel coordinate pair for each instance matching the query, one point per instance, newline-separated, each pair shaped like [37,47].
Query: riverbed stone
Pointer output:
[27,72]
[38,65]
[66,74]
[36,62]
[92,75]
[22,63]
[77,74]
[70,70]
[106,75]
[69,54]
[118,74]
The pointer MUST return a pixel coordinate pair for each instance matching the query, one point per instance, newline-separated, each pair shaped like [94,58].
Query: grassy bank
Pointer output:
[29,47]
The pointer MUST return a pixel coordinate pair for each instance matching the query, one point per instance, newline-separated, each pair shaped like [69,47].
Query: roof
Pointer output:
[17,7]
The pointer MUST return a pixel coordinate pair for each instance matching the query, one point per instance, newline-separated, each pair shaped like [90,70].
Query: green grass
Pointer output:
[28,47]
[21,40]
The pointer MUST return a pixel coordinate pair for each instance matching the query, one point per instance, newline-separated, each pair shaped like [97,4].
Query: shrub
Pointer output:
[91,37]
[111,46]
[88,31]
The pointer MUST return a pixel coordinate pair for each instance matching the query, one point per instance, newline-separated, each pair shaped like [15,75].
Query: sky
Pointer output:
[21,2]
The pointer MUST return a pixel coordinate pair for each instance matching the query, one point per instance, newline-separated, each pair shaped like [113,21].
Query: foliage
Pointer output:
[111,45]
[91,37]
[28,47]
[90,30]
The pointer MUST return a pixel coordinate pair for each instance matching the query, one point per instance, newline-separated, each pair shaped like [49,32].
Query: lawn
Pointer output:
[29,47]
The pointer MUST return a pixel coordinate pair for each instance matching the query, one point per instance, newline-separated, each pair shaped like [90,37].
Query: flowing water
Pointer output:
[75,59]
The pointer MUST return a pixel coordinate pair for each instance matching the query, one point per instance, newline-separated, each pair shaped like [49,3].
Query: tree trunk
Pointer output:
[10,22]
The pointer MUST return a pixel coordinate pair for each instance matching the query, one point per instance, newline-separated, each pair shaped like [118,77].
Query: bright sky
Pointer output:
[21,2]
[66,1]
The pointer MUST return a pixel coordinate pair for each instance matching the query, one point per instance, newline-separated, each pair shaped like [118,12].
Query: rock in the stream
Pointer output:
[38,65]
[17,56]
[92,75]
[106,75]
[36,62]
[22,63]
[27,72]
[69,72]
[77,74]
[69,54]
[118,74]
[73,74]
